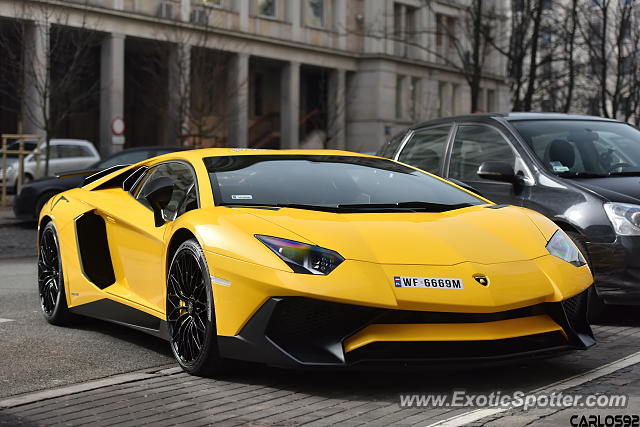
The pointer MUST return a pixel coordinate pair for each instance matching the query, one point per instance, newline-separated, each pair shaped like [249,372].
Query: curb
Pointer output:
[38,396]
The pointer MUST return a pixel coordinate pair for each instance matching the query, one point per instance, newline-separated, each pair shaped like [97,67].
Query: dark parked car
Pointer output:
[33,196]
[582,172]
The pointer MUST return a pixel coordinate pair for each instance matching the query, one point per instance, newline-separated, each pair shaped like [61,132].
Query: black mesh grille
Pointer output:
[311,330]
[575,309]
[296,318]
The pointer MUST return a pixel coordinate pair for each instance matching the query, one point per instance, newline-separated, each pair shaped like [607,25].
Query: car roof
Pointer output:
[58,141]
[196,155]
[514,116]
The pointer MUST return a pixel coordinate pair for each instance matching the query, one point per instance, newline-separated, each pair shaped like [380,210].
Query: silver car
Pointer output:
[64,155]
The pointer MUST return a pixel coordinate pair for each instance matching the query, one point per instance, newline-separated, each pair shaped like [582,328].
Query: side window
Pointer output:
[184,197]
[54,152]
[70,151]
[425,149]
[390,148]
[476,144]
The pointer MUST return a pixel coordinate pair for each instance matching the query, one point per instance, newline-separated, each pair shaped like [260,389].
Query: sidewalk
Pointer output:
[17,238]
[171,397]
[6,214]
[267,396]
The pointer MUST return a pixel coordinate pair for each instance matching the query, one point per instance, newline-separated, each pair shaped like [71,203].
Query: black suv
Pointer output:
[581,172]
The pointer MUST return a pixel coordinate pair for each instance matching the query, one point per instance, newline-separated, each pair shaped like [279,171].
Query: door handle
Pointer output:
[110,219]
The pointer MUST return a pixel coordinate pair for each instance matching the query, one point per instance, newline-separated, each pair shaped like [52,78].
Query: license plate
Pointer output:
[427,282]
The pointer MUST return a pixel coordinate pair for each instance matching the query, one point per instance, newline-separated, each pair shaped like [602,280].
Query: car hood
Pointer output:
[622,189]
[475,234]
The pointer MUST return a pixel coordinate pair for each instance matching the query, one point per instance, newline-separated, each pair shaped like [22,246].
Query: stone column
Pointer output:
[238,96]
[340,22]
[111,90]
[294,16]
[179,93]
[243,14]
[185,10]
[446,99]
[36,57]
[337,109]
[290,105]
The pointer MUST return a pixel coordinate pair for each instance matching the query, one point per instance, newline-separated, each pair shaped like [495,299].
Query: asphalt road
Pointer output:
[35,355]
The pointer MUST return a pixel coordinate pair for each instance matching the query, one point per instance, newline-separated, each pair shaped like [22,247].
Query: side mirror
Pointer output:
[158,196]
[498,171]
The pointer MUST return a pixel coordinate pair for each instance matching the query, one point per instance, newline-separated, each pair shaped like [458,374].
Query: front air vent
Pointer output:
[93,247]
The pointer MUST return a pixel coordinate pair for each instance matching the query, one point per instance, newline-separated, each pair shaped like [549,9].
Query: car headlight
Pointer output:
[8,171]
[624,217]
[303,258]
[561,246]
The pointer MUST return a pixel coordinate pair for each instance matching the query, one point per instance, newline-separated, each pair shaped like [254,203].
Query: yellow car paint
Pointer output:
[499,329]
[507,245]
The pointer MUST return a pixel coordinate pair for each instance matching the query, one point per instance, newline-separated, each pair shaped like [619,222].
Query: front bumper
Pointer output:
[298,331]
[616,268]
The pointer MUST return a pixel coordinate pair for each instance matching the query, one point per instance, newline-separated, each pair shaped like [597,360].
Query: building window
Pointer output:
[547,37]
[258,99]
[491,101]
[404,22]
[212,3]
[414,90]
[445,31]
[267,8]
[315,13]
[400,96]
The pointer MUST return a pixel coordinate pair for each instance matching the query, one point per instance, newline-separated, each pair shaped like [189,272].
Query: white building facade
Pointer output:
[342,74]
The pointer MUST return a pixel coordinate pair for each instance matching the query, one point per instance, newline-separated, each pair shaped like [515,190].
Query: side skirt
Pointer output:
[121,314]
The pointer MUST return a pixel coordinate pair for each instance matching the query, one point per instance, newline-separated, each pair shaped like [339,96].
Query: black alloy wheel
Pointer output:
[190,313]
[51,279]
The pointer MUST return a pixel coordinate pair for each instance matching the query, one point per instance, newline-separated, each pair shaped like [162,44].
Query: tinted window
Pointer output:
[476,144]
[28,146]
[124,158]
[184,190]
[67,151]
[325,181]
[425,149]
[575,147]
[390,148]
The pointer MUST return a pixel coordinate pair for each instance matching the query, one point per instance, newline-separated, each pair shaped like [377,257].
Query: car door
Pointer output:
[425,148]
[140,244]
[476,143]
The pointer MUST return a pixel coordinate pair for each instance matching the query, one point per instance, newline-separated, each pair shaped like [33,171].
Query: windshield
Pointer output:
[582,148]
[333,183]
[15,146]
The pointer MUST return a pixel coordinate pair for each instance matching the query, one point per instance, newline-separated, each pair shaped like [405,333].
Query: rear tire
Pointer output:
[191,319]
[53,300]
[595,304]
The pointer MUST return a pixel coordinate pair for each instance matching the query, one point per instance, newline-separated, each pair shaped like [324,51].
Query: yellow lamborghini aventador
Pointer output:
[309,258]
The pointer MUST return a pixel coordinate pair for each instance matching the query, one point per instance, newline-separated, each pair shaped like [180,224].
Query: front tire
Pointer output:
[53,300]
[191,314]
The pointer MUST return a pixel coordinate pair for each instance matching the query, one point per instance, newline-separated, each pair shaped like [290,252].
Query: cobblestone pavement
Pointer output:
[263,396]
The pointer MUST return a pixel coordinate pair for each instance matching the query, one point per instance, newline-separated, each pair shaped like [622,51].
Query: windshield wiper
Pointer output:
[624,173]
[581,175]
[362,207]
[413,206]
